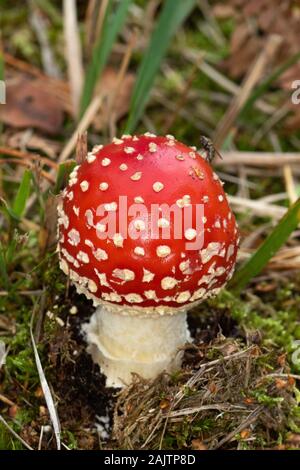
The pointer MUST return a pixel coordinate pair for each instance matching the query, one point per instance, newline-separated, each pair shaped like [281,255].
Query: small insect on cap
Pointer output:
[174,239]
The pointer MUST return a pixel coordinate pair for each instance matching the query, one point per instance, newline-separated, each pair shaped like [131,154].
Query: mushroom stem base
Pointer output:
[123,344]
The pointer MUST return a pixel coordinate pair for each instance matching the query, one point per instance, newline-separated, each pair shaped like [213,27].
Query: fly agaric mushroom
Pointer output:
[144,271]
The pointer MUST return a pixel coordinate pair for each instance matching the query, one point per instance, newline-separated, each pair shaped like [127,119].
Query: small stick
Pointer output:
[81,148]
[5,400]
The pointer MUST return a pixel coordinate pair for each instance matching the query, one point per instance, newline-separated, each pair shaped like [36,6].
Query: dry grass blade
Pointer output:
[40,28]
[287,171]
[257,206]
[249,420]
[46,389]
[222,81]
[10,429]
[28,156]
[73,52]
[250,81]
[6,400]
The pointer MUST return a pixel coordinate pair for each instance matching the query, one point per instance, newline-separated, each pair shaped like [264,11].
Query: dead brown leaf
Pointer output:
[30,104]
[282,360]
[245,433]
[197,444]
[223,11]
[107,85]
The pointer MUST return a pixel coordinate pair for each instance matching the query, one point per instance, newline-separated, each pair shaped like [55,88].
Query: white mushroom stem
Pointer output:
[122,344]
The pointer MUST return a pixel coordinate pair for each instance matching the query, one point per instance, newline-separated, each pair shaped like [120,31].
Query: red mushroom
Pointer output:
[145,231]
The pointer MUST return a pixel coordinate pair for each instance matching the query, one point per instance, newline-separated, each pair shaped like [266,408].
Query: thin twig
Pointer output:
[6,400]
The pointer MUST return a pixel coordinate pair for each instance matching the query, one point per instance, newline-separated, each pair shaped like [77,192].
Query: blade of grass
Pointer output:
[11,251]
[22,195]
[266,251]
[3,270]
[45,387]
[62,173]
[172,16]
[112,24]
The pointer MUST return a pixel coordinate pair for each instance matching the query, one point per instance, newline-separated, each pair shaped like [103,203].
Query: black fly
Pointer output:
[209,148]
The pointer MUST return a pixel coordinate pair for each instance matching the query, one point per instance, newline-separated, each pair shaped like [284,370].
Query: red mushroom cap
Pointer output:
[151,269]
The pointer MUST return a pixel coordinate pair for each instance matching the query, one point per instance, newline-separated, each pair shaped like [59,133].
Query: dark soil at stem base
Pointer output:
[79,383]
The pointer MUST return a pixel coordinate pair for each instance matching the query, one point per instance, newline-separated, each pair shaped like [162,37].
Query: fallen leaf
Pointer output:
[212,387]
[293,439]
[248,401]
[30,104]
[291,381]
[39,392]
[281,360]
[164,404]
[280,384]
[197,444]
[245,434]
[13,410]
[222,11]
[121,97]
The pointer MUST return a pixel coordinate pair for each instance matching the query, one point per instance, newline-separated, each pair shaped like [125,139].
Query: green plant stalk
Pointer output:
[3,268]
[172,16]
[267,250]
[19,204]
